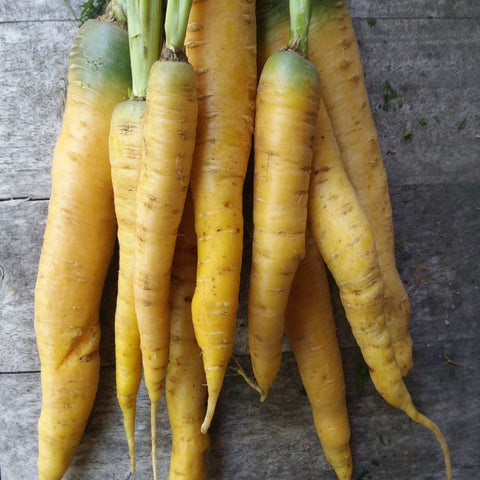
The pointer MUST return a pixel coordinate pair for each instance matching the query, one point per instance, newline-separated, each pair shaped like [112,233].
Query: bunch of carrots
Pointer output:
[162,107]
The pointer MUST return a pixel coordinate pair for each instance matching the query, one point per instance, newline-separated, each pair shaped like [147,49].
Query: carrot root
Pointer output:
[153,428]
[421,419]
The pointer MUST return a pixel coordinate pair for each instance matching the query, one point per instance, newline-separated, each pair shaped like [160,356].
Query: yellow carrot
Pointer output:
[288,98]
[169,140]
[78,243]
[334,51]
[311,329]
[185,387]
[125,143]
[221,46]
[126,136]
[346,243]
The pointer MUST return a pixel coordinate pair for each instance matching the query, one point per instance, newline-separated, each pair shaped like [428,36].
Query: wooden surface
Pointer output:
[429,50]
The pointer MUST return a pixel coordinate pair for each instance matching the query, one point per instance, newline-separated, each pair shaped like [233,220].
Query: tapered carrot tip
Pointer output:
[416,416]
[153,426]
[209,414]
[344,473]
[132,463]
[263,394]
[131,449]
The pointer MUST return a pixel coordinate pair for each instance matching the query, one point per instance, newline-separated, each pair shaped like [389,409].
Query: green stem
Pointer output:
[176,21]
[144,34]
[300,14]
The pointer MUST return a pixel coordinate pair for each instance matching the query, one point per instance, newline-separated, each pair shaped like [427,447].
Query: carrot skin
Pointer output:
[346,242]
[311,329]
[288,98]
[78,244]
[125,144]
[362,159]
[169,139]
[185,387]
[221,46]
[334,50]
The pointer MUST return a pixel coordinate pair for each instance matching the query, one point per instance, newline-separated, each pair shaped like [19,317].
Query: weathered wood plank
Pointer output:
[420,65]
[414,9]
[38,10]
[58,10]
[33,77]
[276,439]
[21,238]
[437,259]
[436,79]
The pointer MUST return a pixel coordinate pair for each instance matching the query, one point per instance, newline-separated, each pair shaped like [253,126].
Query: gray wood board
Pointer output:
[275,440]
[23,10]
[437,259]
[420,66]
[429,51]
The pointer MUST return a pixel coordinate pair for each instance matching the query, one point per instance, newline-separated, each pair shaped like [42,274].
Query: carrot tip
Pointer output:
[153,424]
[205,425]
[416,416]
[211,404]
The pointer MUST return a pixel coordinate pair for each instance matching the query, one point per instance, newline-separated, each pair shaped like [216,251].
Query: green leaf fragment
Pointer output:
[406,133]
[462,123]
[389,94]
[91,9]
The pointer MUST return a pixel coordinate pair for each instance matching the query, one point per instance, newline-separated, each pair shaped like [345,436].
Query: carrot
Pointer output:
[185,388]
[78,243]
[125,143]
[288,98]
[221,45]
[346,243]
[311,329]
[169,140]
[334,50]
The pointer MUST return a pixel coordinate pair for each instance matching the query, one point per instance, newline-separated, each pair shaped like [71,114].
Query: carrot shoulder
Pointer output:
[78,243]
[221,45]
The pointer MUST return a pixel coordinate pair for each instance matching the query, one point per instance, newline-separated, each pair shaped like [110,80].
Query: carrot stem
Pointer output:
[144,33]
[176,21]
[300,14]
